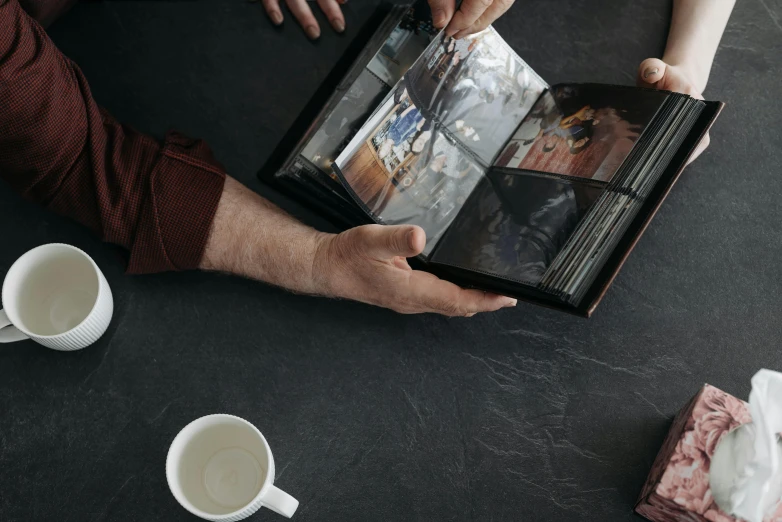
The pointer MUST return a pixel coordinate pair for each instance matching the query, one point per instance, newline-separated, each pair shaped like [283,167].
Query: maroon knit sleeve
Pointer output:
[58,148]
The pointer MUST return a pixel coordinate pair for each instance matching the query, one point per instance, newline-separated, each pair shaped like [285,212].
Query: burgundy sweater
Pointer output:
[60,149]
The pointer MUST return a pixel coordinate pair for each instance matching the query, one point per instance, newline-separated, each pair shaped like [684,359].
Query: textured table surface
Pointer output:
[526,414]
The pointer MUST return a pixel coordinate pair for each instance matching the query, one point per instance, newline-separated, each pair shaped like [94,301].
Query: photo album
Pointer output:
[524,189]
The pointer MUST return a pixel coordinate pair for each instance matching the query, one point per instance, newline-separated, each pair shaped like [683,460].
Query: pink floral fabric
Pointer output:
[682,493]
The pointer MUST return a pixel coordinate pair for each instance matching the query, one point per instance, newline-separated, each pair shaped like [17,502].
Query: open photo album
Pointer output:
[526,189]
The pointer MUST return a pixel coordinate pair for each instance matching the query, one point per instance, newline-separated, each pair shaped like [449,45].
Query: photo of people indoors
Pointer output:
[477,88]
[584,131]
[406,171]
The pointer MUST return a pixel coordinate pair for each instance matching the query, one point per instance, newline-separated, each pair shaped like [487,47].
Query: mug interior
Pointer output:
[50,290]
[219,465]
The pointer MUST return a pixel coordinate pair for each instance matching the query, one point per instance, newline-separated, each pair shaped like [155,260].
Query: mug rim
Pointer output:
[15,266]
[179,496]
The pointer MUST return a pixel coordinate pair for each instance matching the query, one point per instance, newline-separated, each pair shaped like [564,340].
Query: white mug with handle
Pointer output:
[57,296]
[221,468]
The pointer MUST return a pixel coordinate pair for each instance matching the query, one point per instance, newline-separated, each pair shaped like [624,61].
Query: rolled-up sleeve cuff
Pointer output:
[178,210]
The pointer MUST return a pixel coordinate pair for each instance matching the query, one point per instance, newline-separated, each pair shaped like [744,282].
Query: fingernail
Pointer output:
[338,25]
[276,18]
[469,315]
[411,239]
[451,31]
[438,17]
[510,304]
[312,31]
[650,71]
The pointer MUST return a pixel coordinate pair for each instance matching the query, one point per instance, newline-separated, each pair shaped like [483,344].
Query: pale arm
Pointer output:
[695,34]
[696,30]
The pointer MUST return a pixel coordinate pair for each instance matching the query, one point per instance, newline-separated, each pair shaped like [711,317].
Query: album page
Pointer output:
[548,179]
[477,88]
[582,131]
[420,155]
[400,50]
[514,225]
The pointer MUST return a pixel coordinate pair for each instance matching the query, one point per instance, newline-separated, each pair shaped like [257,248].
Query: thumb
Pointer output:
[442,12]
[651,73]
[385,242]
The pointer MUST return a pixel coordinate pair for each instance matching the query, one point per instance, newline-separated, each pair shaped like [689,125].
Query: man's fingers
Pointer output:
[306,19]
[468,14]
[431,294]
[386,242]
[334,13]
[273,10]
[650,72]
[442,12]
[477,301]
[497,9]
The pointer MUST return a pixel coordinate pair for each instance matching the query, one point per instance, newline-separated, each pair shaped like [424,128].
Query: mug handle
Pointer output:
[279,501]
[8,332]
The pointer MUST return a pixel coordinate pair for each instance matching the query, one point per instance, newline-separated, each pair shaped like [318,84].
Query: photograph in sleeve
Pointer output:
[406,171]
[400,50]
[477,87]
[358,103]
[402,134]
[581,130]
[514,225]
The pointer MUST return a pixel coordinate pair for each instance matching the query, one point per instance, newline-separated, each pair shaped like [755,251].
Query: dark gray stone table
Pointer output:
[526,414]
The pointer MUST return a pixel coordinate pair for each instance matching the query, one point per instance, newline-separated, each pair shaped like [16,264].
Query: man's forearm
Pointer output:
[696,30]
[254,238]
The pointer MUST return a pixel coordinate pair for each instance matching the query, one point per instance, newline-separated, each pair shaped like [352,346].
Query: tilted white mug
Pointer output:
[57,296]
[221,468]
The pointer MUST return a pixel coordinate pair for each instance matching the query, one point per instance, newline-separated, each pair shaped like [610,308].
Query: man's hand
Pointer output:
[303,14]
[471,17]
[369,264]
[252,237]
[657,74]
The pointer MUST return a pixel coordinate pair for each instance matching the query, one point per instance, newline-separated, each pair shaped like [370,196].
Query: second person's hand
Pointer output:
[656,74]
[303,14]
[472,16]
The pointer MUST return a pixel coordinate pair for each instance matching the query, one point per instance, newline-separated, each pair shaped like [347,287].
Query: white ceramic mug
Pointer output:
[57,296]
[221,468]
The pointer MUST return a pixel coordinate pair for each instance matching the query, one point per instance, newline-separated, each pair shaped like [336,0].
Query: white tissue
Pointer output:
[756,488]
